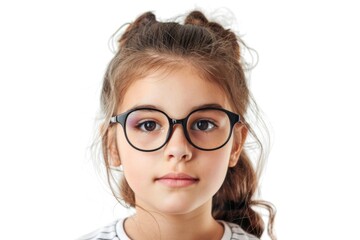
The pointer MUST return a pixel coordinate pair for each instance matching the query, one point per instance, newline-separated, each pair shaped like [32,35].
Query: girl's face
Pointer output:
[178,178]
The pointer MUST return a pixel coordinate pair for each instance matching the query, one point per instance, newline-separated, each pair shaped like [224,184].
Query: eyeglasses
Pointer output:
[148,129]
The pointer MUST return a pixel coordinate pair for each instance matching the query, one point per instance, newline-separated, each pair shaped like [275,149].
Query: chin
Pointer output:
[180,206]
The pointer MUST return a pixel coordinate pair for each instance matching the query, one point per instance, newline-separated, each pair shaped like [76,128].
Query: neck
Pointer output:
[198,224]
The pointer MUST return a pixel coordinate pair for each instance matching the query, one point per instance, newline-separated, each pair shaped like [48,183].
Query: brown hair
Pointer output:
[215,52]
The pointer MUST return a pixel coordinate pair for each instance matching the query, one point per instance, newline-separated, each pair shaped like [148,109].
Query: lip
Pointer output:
[175,180]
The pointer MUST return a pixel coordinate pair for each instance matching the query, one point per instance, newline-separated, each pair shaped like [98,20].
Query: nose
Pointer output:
[178,147]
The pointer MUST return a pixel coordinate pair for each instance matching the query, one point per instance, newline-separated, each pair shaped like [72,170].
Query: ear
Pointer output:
[240,134]
[112,148]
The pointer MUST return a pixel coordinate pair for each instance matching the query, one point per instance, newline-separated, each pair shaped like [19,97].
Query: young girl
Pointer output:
[175,101]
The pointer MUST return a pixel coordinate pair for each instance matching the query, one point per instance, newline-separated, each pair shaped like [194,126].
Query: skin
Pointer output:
[165,212]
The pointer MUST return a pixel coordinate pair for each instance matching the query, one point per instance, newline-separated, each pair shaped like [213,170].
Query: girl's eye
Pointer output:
[148,126]
[203,125]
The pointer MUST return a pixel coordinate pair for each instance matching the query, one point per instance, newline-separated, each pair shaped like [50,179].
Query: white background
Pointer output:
[52,58]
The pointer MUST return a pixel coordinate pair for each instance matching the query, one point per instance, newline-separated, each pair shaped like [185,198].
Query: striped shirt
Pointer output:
[115,231]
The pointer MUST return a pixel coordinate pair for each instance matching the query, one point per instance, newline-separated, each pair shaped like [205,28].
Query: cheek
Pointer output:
[215,166]
[135,170]
[136,164]
[127,156]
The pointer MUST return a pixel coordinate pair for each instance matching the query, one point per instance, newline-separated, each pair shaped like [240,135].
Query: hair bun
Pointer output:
[196,18]
[144,19]
[141,21]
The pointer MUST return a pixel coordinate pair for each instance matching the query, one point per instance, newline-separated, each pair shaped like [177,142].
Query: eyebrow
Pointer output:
[208,105]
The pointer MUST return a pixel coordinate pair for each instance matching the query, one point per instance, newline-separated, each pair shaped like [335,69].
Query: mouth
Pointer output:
[176,180]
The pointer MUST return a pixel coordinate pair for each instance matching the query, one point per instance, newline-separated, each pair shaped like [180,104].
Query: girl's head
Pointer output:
[178,68]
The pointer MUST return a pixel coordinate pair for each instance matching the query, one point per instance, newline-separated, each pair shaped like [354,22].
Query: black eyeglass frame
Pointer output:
[121,119]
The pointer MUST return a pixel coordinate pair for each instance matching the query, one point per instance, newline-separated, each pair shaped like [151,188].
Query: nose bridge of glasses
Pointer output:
[181,122]
[177,121]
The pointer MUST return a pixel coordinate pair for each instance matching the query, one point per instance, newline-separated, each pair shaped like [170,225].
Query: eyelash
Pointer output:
[210,125]
[141,125]
[213,125]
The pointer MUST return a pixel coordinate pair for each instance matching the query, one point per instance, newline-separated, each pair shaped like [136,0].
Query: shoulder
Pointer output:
[112,231]
[233,231]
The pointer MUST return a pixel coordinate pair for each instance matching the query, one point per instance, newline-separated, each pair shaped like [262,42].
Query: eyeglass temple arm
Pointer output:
[119,118]
[113,119]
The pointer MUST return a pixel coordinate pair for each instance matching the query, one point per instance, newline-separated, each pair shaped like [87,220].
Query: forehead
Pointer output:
[176,91]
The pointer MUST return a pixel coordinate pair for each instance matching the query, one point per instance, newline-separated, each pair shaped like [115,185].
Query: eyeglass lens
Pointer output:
[148,129]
